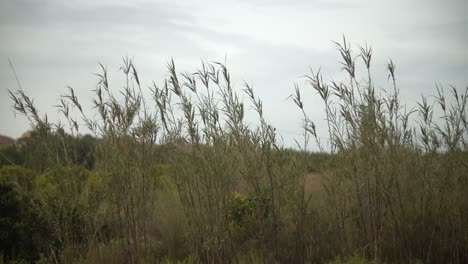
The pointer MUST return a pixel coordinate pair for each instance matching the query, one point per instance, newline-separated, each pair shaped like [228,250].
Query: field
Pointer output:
[181,178]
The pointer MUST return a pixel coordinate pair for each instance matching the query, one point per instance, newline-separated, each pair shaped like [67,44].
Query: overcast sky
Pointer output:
[269,44]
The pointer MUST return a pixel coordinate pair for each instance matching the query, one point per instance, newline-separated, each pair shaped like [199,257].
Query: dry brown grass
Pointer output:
[314,183]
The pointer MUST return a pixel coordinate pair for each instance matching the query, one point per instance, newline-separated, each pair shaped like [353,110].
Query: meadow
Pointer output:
[182,178]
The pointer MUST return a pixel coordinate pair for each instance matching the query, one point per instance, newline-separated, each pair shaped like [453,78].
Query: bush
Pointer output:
[21,232]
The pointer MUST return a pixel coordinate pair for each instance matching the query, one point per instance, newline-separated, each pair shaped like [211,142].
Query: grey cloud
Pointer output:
[54,14]
[54,43]
[322,4]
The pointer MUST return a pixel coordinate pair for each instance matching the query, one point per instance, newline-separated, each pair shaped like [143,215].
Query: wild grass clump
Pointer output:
[182,178]
[397,172]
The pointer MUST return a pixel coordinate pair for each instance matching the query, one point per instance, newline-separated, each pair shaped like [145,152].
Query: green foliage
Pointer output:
[21,177]
[65,199]
[11,156]
[42,260]
[187,260]
[244,207]
[19,261]
[360,260]
[21,232]
[40,151]
[162,174]
[352,260]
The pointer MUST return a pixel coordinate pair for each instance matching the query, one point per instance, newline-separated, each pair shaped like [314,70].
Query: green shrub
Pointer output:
[352,260]
[244,207]
[21,177]
[22,233]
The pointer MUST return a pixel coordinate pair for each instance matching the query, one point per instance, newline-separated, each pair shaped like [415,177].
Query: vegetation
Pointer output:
[182,178]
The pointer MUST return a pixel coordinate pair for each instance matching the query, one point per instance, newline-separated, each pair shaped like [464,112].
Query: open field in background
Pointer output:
[181,178]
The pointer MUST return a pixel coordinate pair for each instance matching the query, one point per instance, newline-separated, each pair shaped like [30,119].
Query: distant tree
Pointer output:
[39,152]
[21,232]
[11,156]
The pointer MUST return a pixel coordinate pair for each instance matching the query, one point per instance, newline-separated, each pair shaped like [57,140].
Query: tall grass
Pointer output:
[394,187]
[181,176]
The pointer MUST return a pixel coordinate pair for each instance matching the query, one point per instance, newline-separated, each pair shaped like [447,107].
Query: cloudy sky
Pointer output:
[270,44]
